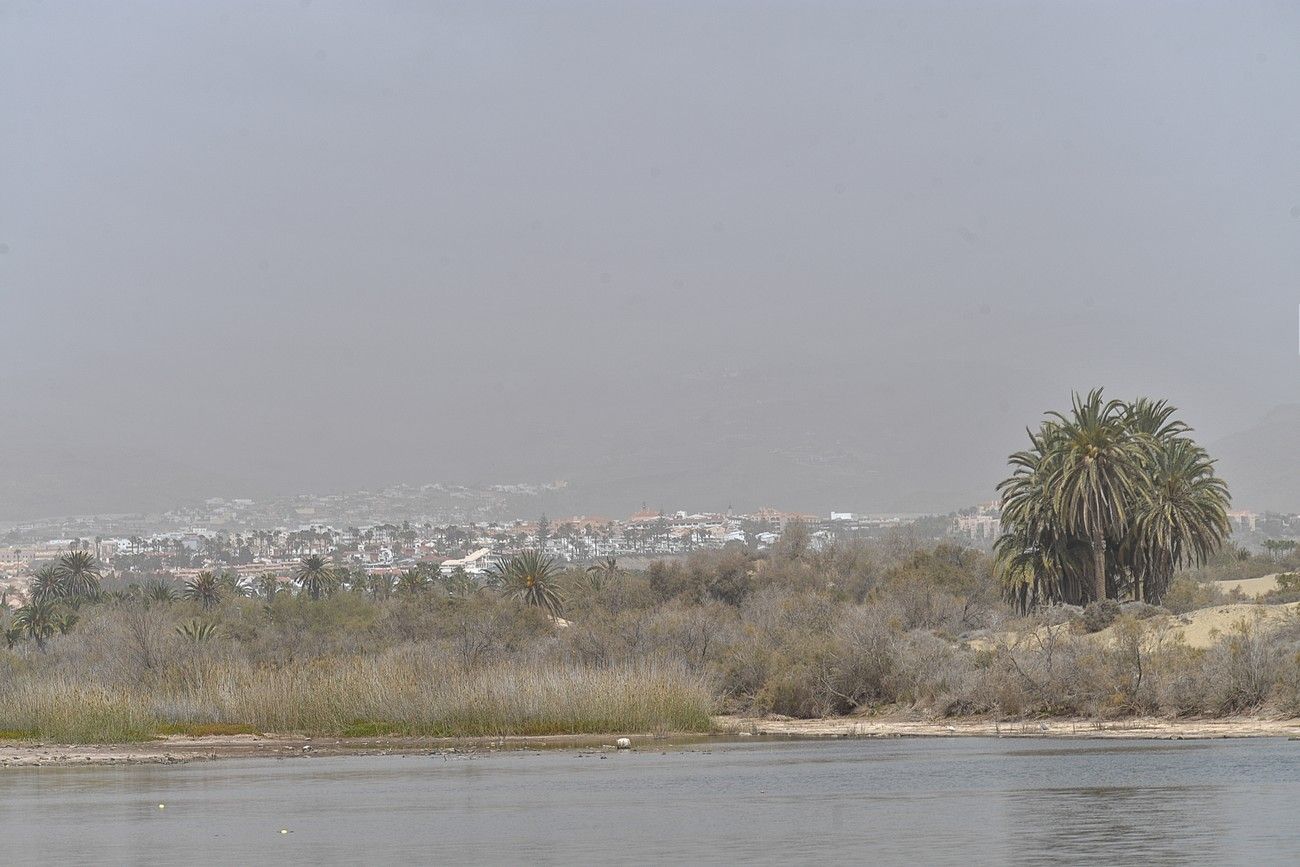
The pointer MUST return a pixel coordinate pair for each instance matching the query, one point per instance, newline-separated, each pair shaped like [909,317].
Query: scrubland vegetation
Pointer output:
[891,627]
[1112,501]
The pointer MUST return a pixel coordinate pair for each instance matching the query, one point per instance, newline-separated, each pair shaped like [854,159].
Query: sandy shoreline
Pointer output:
[180,749]
[1138,728]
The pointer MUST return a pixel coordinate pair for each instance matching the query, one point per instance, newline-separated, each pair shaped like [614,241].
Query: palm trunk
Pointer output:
[1098,565]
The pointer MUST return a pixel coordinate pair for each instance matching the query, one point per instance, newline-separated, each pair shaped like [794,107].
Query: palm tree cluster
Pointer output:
[74,577]
[54,592]
[1108,500]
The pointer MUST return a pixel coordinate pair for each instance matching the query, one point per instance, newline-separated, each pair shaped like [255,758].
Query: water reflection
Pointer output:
[955,801]
[1152,825]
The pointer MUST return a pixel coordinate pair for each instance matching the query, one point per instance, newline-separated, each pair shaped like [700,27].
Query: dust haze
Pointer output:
[696,255]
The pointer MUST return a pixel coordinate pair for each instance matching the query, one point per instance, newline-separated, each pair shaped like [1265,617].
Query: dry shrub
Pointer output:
[1241,670]
[1179,678]
[1187,594]
[1099,615]
[1288,683]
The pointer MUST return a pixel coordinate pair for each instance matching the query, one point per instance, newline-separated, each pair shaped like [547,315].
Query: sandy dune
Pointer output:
[1205,627]
[1202,628]
[1250,586]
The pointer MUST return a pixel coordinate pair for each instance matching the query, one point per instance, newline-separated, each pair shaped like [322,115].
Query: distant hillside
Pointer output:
[1262,464]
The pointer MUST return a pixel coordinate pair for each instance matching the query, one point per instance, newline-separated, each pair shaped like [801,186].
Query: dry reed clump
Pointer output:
[402,691]
[61,710]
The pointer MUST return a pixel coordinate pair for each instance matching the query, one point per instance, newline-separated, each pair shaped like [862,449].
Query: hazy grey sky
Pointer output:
[696,253]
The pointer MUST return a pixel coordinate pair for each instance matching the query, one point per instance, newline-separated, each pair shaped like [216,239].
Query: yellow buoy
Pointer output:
[162,806]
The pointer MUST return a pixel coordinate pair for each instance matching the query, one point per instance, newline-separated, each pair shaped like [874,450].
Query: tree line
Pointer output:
[58,590]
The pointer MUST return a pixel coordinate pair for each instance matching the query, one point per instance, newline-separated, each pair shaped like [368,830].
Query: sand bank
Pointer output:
[181,749]
[1136,728]
[178,749]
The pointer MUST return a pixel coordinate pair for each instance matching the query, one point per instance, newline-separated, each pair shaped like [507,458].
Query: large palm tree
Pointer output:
[78,574]
[412,582]
[1040,561]
[358,581]
[379,585]
[530,578]
[46,585]
[268,584]
[234,585]
[1182,520]
[37,621]
[315,576]
[204,588]
[1096,474]
[460,584]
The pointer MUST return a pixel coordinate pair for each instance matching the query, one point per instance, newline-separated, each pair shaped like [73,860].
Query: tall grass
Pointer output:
[60,710]
[408,691]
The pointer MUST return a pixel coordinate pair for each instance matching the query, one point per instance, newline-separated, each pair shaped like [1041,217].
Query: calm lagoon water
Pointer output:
[932,801]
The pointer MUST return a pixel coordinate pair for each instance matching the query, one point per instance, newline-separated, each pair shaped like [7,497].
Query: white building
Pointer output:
[979,528]
[475,563]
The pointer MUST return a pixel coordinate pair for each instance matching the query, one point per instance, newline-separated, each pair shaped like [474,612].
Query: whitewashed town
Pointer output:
[219,536]
[391,548]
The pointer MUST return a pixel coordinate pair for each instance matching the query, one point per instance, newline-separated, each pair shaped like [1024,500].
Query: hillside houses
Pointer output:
[391,548]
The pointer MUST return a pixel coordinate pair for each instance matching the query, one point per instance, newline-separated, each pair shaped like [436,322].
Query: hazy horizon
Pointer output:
[815,256]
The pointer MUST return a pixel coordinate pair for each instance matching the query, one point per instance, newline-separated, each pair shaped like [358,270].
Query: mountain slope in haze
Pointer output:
[1262,464]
